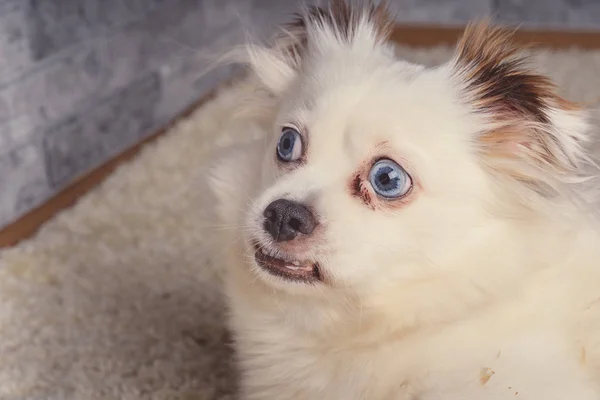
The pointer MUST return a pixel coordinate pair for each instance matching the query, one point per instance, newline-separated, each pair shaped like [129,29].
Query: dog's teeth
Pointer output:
[296,263]
[293,267]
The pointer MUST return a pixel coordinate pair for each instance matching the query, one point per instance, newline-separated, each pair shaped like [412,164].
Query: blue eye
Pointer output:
[389,180]
[289,147]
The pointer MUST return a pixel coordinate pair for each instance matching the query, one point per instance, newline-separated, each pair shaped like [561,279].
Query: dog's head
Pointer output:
[381,175]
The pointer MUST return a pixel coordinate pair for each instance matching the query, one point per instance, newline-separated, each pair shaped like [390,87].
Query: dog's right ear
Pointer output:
[277,64]
[272,66]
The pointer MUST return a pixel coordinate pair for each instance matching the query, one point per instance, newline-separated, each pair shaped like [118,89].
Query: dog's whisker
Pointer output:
[221,226]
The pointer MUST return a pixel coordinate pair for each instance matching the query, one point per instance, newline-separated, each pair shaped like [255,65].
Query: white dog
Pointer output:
[408,232]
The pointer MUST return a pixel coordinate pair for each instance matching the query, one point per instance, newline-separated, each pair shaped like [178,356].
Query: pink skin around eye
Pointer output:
[358,189]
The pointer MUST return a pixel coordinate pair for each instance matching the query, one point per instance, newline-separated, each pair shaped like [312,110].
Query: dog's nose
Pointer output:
[284,219]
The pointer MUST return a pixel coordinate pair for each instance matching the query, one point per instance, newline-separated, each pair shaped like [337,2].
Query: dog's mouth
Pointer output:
[304,271]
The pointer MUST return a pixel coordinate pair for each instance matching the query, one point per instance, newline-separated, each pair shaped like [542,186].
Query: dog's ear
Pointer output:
[529,132]
[277,64]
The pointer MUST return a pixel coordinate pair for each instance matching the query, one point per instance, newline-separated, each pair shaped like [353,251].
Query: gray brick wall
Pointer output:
[82,80]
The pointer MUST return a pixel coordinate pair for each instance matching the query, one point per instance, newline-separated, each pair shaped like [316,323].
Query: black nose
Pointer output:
[284,219]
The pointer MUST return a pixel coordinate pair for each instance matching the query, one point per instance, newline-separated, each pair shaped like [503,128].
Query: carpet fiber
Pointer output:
[117,297]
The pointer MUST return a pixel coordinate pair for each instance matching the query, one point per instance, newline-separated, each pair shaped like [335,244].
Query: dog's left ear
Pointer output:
[340,22]
[529,132]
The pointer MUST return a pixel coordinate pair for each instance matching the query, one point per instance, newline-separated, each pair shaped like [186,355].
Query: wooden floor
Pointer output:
[422,36]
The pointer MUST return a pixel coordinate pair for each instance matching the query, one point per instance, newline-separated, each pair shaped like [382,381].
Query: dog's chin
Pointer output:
[286,268]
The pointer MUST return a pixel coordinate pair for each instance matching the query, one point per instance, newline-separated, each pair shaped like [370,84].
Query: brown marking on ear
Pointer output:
[516,100]
[341,15]
[498,79]
[568,105]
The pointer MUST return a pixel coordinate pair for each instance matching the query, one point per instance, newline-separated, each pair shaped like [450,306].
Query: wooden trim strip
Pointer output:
[410,35]
[428,36]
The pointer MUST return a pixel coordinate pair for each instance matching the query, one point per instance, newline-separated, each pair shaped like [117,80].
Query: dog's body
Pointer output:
[472,275]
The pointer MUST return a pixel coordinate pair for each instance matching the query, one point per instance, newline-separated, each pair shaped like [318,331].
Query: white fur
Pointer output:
[460,294]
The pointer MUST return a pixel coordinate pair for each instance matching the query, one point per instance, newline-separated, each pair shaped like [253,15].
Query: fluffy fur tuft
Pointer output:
[531,134]
[440,291]
[342,20]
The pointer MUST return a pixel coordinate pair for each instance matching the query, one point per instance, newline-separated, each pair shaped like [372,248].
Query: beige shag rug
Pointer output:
[117,297]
